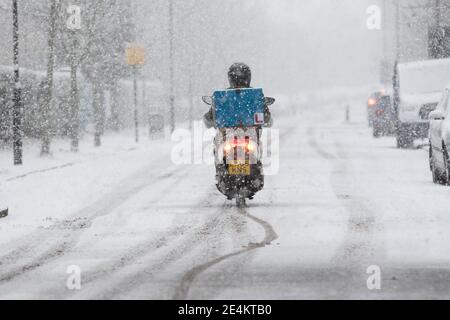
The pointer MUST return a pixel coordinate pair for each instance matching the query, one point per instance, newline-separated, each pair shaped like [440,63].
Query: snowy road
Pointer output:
[341,202]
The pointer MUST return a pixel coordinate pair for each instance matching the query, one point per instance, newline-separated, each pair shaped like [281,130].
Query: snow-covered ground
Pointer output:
[140,227]
[50,189]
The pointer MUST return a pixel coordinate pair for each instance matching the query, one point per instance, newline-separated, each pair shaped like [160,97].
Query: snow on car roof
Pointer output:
[424,63]
[424,77]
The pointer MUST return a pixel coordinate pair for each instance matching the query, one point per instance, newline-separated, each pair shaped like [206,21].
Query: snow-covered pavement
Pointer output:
[140,227]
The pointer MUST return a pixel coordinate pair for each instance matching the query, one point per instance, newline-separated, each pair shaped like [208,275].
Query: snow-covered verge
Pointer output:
[50,189]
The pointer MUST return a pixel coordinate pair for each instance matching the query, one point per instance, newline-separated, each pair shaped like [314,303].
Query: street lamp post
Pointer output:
[17,112]
[397,31]
[136,113]
[135,57]
[171,68]
[437,8]
[45,149]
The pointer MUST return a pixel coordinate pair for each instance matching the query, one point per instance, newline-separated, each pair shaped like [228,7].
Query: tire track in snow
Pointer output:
[61,249]
[63,166]
[182,291]
[102,207]
[312,141]
[67,165]
[357,246]
[177,233]
[209,232]
[182,247]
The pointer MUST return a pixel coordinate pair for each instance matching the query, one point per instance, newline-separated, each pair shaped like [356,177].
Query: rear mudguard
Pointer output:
[246,186]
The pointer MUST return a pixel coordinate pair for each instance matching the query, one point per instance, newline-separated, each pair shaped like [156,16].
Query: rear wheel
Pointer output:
[370,121]
[439,177]
[377,132]
[446,176]
[404,140]
[434,172]
[404,135]
[240,201]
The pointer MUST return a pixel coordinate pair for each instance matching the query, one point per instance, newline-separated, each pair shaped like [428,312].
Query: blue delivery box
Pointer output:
[239,108]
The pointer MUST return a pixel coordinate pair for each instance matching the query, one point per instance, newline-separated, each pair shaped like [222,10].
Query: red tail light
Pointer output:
[251,146]
[247,144]
[228,147]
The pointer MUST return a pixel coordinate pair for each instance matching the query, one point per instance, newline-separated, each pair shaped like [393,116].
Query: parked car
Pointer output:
[3,212]
[440,140]
[371,103]
[383,116]
[156,123]
[417,90]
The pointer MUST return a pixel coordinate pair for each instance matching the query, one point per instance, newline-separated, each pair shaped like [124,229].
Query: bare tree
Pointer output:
[47,103]
[85,46]
[105,62]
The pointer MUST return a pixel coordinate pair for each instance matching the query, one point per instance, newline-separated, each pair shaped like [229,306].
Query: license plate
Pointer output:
[239,169]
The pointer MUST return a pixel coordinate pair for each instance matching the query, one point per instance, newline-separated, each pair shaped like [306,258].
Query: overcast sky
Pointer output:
[317,43]
[300,44]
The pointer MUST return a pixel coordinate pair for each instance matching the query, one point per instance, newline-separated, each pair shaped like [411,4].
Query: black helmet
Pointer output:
[240,76]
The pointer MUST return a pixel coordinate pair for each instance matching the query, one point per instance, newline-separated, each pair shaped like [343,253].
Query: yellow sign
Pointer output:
[135,55]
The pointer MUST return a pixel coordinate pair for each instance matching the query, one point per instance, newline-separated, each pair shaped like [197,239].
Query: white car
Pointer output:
[417,89]
[439,135]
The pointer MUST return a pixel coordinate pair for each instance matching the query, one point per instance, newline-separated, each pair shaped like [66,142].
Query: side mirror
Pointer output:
[208,100]
[269,101]
[437,115]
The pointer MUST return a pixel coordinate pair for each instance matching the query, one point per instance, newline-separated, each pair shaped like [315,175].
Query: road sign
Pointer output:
[135,55]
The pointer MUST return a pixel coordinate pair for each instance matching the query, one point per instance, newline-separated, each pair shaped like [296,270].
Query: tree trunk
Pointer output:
[144,102]
[172,67]
[102,110]
[191,105]
[48,88]
[136,113]
[96,104]
[17,95]
[74,124]
[115,123]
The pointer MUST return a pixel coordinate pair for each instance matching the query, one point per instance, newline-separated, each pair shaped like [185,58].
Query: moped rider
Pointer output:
[240,77]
